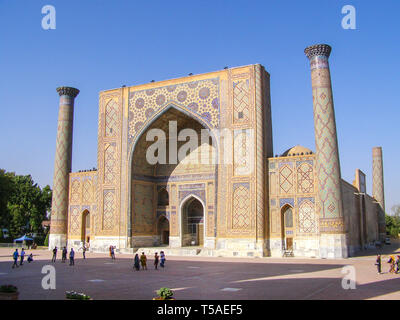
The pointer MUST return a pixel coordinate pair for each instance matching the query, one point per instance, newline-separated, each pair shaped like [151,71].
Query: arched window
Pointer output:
[288,216]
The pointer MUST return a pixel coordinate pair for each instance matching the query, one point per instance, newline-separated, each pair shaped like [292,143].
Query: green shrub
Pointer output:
[46,240]
[76,296]
[165,293]
[9,288]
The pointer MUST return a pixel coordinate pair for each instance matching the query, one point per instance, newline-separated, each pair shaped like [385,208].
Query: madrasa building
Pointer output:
[246,203]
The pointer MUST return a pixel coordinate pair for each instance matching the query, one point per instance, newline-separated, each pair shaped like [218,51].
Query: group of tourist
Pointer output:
[64,254]
[138,261]
[21,255]
[142,261]
[393,262]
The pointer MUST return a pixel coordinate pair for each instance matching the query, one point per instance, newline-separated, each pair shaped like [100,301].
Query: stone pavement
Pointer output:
[203,278]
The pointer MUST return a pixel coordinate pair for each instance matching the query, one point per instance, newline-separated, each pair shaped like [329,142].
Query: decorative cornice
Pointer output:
[67,91]
[318,50]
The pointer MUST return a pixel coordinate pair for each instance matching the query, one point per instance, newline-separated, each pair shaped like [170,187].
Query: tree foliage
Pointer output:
[23,204]
[393,222]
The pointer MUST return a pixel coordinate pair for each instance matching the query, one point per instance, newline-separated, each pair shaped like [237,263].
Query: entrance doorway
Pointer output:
[192,223]
[163,230]
[85,236]
[287,228]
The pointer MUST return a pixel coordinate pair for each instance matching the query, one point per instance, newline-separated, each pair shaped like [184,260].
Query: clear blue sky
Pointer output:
[103,44]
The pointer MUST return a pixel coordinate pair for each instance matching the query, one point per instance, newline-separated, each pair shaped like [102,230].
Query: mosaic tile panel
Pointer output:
[242,152]
[305,178]
[109,210]
[241,103]
[143,208]
[241,206]
[308,222]
[111,118]
[198,97]
[109,164]
[286,180]
[377,176]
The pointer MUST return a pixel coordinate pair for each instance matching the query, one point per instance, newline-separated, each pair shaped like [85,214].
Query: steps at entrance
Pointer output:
[185,251]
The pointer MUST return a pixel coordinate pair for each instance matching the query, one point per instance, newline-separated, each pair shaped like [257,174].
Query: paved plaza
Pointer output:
[200,278]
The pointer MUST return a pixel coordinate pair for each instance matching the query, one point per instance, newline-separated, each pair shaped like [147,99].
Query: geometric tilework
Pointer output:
[305,178]
[284,201]
[327,154]
[241,206]
[109,210]
[286,179]
[143,209]
[377,176]
[111,121]
[74,227]
[75,191]
[87,192]
[198,97]
[62,165]
[307,218]
[109,164]
[241,112]
[242,152]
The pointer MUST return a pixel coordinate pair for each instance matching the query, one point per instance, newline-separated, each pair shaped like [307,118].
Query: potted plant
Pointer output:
[8,292]
[72,295]
[164,294]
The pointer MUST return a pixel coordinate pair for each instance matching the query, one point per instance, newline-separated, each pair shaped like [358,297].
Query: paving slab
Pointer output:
[204,278]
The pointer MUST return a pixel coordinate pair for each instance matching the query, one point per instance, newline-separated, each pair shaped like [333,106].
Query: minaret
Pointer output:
[329,195]
[378,189]
[377,176]
[62,168]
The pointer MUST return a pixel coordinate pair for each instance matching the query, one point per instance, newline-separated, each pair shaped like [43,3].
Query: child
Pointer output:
[30,258]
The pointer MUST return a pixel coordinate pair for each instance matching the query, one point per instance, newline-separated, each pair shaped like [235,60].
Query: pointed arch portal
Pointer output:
[151,181]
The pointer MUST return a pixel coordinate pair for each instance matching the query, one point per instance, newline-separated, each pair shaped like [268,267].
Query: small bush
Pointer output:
[46,240]
[76,296]
[165,293]
[9,288]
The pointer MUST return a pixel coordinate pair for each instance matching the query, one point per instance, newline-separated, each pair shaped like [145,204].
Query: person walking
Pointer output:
[54,255]
[156,260]
[21,261]
[84,251]
[136,262]
[15,257]
[71,257]
[143,261]
[112,253]
[392,264]
[162,259]
[30,258]
[64,254]
[378,263]
[398,264]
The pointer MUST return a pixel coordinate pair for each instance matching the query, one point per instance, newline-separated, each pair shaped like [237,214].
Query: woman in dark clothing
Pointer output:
[136,263]
[379,264]
[156,259]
